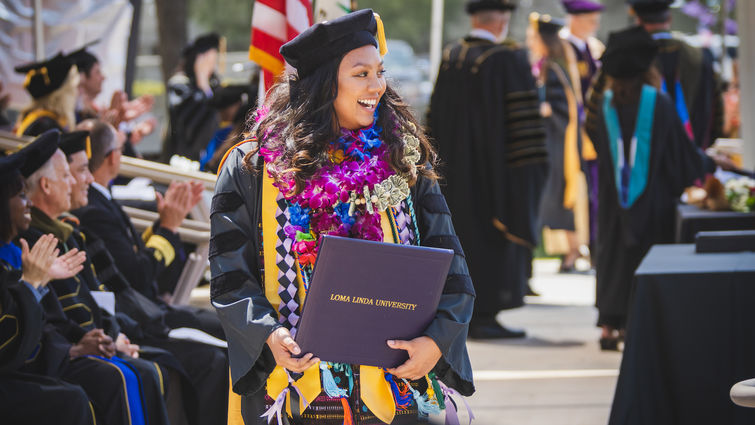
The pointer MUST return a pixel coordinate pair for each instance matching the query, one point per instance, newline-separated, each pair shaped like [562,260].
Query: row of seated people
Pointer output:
[64,356]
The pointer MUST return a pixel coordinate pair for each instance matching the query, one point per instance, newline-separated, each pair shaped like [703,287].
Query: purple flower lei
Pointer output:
[357,159]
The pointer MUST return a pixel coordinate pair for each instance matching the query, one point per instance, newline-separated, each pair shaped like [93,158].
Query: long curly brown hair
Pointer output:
[301,121]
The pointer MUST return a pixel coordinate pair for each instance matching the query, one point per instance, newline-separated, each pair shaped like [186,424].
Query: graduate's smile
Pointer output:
[361,84]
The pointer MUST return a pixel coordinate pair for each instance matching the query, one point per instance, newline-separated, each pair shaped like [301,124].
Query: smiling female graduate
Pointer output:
[333,151]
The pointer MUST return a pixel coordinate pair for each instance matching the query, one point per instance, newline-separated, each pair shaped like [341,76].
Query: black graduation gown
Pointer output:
[73,298]
[37,122]
[552,211]
[625,235]
[485,119]
[693,67]
[238,294]
[30,397]
[193,119]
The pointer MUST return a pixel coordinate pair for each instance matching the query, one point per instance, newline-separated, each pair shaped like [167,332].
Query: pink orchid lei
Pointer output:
[357,159]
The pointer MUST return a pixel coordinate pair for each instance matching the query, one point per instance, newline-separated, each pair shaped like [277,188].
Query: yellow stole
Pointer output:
[572,169]
[376,391]
[33,116]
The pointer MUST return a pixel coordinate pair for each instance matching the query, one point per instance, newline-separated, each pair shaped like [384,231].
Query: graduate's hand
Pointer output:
[93,343]
[124,345]
[284,348]
[423,355]
[36,262]
[68,265]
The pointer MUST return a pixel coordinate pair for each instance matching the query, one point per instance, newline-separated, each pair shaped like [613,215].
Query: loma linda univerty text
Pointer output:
[372,301]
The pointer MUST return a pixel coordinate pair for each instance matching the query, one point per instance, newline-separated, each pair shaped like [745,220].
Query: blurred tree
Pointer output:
[171,25]
[229,18]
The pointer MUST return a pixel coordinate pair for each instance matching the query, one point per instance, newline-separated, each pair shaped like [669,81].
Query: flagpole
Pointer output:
[436,38]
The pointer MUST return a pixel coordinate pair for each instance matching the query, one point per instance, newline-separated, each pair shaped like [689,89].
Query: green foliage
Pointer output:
[229,18]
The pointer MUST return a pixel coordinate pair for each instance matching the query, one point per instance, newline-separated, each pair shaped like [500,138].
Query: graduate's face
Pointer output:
[361,84]
[585,25]
[20,213]
[79,166]
[91,83]
[57,190]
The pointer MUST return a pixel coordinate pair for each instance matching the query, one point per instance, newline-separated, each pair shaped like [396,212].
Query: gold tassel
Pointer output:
[534,17]
[89,148]
[382,45]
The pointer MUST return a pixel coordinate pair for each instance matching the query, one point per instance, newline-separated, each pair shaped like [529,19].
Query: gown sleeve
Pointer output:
[451,324]
[237,292]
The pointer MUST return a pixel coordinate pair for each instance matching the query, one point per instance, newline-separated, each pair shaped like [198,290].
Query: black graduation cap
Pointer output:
[76,141]
[38,152]
[628,53]
[226,96]
[43,78]
[10,164]
[474,6]
[83,58]
[651,10]
[546,24]
[330,39]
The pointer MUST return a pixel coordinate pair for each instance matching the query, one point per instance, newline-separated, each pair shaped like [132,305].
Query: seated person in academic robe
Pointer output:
[258,267]
[113,391]
[53,86]
[70,306]
[204,393]
[28,397]
[142,259]
[193,120]
[646,160]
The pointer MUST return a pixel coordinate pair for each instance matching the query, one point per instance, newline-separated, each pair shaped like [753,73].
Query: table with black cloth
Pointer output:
[690,337]
[690,220]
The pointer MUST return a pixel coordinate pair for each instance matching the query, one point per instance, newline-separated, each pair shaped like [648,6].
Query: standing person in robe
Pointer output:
[193,120]
[335,113]
[560,111]
[28,397]
[583,66]
[53,85]
[687,74]
[646,160]
[484,116]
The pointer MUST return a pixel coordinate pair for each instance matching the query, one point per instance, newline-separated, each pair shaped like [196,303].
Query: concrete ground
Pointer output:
[557,375]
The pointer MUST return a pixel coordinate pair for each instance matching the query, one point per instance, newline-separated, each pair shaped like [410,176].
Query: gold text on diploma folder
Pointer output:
[377,302]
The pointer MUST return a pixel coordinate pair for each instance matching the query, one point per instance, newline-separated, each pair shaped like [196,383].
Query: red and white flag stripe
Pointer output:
[275,22]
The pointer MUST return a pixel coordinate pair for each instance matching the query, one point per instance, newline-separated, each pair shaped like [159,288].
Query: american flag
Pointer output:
[275,22]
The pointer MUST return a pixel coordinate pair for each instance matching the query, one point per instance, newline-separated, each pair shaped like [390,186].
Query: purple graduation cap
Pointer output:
[575,7]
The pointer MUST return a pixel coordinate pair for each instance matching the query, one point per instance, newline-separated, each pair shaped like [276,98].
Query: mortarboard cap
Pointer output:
[226,96]
[474,6]
[83,58]
[38,152]
[202,44]
[576,7]
[10,164]
[628,53]
[652,11]
[545,24]
[76,141]
[327,40]
[43,78]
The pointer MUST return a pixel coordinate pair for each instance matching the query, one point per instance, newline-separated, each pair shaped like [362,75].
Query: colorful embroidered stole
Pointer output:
[631,176]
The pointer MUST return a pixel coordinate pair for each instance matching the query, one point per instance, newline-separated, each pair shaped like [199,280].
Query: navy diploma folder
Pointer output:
[363,293]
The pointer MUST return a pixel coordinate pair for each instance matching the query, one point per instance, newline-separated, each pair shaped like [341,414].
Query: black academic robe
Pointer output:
[693,67]
[552,211]
[238,294]
[143,262]
[30,397]
[626,234]
[484,116]
[202,368]
[193,119]
[74,299]
[38,121]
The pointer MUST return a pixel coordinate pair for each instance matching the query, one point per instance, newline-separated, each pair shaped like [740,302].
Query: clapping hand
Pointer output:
[68,265]
[36,262]
[178,200]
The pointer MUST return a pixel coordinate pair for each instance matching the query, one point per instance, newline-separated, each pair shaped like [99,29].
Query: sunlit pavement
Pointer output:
[557,375]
